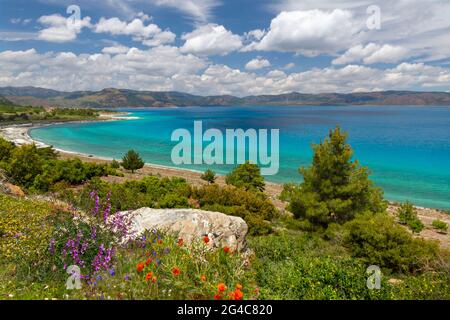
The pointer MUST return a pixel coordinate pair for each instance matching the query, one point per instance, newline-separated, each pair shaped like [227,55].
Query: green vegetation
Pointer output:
[247,176]
[440,225]
[132,161]
[376,239]
[340,227]
[209,176]
[335,188]
[12,114]
[407,215]
[39,170]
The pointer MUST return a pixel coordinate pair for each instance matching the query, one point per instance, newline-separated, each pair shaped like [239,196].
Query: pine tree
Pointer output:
[247,176]
[209,176]
[335,188]
[132,161]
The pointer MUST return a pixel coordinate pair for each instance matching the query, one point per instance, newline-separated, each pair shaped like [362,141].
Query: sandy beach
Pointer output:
[19,134]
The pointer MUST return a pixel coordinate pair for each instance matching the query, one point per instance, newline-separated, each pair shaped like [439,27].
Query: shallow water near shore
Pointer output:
[407,148]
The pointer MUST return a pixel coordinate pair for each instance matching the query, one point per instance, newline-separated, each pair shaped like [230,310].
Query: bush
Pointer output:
[132,161]
[6,149]
[115,164]
[335,188]
[209,176]
[247,176]
[254,208]
[378,240]
[152,192]
[440,225]
[407,214]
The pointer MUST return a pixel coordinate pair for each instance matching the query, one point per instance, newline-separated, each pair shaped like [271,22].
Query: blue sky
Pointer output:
[226,47]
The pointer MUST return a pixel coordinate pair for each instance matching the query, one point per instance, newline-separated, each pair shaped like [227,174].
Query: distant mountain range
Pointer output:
[118,98]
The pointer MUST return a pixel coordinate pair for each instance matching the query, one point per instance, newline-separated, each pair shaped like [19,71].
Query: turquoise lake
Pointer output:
[407,148]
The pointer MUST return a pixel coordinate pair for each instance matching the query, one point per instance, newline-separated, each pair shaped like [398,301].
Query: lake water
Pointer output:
[407,148]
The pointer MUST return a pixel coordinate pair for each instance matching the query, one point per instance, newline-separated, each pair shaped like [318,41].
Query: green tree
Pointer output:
[209,176]
[132,161]
[25,163]
[247,176]
[407,214]
[335,188]
[6,148]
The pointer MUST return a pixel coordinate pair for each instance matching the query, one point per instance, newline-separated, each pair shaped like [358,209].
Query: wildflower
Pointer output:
[206,239]
[147,263]
[149,276]
[221,287]
[176,271]
[227,249]
[238,286]
[180,242]
[127,277]
[203,278]
[112,272]
[140,266]
[217,297]
[154,279]
[238,294]
[160,241]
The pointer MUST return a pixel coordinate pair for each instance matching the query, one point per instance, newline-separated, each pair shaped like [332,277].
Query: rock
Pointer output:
[190,224]
[14,190]
[394,281]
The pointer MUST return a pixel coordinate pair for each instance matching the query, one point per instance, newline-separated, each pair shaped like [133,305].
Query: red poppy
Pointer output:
[140,266]
[160,241]
[180,242]
[217,297]
[238,294]
[227,249]
[206,239]
[221,287]
[154,279]
[149,276]
[147,263]
[203,278]
[176,271]
[238,286]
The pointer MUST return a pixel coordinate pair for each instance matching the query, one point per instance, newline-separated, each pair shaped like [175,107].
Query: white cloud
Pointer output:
[373,53]
[166,68]
[257,63]
[211,39]
[198,9]
[21,21]
[420,26]
[61,29]
[115,49]
[309,32]
[150,34]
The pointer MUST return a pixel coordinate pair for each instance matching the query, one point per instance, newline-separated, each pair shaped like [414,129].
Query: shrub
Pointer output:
[132,161]
[209,176]
[254,208]
[6,149]
[115,164]
[407,214]
[247,176]
[335,188]
[440,225]
[378,240]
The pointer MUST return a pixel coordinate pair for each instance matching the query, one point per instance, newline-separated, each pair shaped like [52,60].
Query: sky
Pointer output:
[237,47]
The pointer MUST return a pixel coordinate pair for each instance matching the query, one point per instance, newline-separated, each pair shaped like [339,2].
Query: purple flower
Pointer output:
[112,272]
[127,277]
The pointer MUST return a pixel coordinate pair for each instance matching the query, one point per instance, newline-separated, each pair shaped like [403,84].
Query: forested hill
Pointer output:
[117,98]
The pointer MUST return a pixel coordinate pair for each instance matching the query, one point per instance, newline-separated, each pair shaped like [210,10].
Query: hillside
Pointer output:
[117,98]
